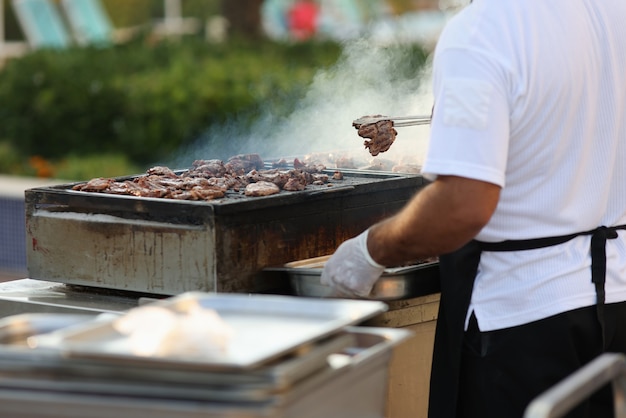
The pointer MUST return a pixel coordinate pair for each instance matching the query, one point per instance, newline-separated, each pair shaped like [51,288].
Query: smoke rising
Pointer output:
[366,80]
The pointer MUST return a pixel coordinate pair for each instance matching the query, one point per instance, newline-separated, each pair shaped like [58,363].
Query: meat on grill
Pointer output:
[380,135]
[261,188]
[337,160]
[211,179]
[98,184]
[276,176]
[208,168]
[341,161]
[243,163]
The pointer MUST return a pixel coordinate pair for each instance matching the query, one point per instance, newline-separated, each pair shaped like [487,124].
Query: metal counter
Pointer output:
[37,296]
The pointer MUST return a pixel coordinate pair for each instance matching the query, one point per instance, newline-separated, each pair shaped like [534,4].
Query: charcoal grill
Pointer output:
[166,247]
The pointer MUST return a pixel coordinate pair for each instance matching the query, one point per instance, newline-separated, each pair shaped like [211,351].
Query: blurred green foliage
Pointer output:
[132,104]
[81,167]
[140,99]
[124,13]
[10,161]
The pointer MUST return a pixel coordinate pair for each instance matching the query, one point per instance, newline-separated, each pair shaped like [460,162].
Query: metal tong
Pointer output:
[398,121]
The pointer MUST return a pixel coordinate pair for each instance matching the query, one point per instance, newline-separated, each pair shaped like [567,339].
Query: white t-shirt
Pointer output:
[531,95]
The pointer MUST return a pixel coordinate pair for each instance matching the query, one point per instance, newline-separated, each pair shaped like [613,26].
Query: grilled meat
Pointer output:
[380,135]
[243,163]
[97,185]
[211,179]
[207,168]
[261,188]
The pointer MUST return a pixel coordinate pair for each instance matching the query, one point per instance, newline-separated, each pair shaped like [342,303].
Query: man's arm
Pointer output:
[441,218]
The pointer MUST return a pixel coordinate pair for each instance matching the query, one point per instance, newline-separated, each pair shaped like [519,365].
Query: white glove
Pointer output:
[351,271]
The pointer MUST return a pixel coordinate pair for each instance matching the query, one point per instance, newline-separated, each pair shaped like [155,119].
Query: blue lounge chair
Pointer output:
[42,24]
[274,18]
[89,22]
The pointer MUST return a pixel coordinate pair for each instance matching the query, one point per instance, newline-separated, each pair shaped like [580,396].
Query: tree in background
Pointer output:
[244,17]
[126,13]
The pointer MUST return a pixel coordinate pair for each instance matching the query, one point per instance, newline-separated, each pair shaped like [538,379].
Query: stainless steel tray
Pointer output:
[30,371]
[16,329]
[265,327]
[395,283]
[274,384]
[353,384]
[17,359]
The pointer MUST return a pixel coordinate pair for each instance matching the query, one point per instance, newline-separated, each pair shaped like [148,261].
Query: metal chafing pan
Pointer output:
[22,367]
[353,383]
[395,283]
[40,371]
[15,329]
[264,328]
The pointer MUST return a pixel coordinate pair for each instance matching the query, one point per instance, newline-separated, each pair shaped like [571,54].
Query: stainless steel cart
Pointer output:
[330,368]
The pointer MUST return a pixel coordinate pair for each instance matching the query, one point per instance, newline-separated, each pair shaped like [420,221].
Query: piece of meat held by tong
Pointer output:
[380,132]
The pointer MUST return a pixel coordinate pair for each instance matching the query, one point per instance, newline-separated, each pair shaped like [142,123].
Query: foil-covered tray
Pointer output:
[264,328]
[395,283]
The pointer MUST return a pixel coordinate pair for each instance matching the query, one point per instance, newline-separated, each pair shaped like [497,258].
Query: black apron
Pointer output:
[458,272]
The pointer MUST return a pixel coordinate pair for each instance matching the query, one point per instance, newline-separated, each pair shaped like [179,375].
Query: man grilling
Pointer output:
[527,205]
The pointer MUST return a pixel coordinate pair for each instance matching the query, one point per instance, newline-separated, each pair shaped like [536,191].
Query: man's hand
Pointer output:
[351,271]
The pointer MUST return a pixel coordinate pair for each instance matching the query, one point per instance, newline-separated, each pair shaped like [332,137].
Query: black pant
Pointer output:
[503,371]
